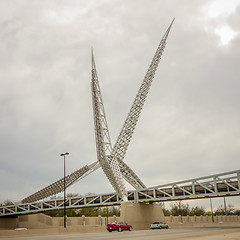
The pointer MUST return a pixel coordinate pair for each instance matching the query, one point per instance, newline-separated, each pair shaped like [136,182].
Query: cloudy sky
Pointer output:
[189,126]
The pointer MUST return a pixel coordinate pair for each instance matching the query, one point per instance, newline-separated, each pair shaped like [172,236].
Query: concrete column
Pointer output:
[141,215]
[99,220]
[68,221]
[83,220]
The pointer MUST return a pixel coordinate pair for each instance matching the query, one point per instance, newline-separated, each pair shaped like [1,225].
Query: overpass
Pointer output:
[217,185]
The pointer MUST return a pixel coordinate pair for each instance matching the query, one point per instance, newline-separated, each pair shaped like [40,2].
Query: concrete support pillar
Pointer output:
[68,221]
[83,220]
[99,220]
[141,215]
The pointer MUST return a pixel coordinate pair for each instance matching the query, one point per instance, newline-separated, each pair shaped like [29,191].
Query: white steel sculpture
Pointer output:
[103,143]
[111,159]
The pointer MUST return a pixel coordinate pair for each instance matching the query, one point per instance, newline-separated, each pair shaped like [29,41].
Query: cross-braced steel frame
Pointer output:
[218,185]
[111,159]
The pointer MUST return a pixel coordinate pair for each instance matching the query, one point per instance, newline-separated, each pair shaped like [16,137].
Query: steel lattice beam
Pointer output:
[217,185]
[129,125]
[111,160]
[103,143]
[58,186]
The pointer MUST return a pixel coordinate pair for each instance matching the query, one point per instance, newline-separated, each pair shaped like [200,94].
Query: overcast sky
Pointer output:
[189,126]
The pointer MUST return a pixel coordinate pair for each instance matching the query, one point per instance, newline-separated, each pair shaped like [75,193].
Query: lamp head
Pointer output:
[63,154]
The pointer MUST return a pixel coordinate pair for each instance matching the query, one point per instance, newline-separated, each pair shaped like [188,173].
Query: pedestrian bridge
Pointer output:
[218,185]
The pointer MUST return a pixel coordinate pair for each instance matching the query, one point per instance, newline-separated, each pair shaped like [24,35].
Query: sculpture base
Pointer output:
[141,215]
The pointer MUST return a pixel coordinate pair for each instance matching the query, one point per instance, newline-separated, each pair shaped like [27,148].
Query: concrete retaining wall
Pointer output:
[38,221]
[201,219]
[42,221]
[8,223]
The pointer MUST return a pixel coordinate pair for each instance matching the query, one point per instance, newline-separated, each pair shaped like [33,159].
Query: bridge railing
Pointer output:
[218,185]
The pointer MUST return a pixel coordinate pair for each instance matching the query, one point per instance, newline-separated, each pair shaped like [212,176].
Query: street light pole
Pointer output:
[225,206]
[211,210]
[64,187]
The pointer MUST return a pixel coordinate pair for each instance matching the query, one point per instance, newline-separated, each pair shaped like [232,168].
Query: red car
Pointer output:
[119,226]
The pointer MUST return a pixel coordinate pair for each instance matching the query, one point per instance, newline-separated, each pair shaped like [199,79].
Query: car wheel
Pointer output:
[130,229]
[160,227]
[166,227]
[109,230]
[119,229]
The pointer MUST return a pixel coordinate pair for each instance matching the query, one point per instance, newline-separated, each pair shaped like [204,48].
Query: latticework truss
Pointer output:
[58,186]
[111,159]
[126,133]
[218,185]
[103,144]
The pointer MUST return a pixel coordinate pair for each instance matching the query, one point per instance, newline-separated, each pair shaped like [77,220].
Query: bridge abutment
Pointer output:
[141,215]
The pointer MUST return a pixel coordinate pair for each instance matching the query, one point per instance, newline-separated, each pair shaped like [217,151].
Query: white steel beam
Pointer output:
[217,185]
[110,159]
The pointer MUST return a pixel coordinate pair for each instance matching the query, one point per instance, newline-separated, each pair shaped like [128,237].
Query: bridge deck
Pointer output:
[219,185]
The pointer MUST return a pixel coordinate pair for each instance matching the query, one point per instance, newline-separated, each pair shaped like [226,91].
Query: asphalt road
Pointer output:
[213,233]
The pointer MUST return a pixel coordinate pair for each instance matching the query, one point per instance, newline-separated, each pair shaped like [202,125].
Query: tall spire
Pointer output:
[121,145]
[111,159]
[103,143]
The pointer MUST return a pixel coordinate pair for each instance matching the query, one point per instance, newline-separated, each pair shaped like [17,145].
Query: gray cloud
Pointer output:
[188,127]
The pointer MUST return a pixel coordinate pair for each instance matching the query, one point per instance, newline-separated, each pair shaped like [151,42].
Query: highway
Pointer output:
[230,232]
